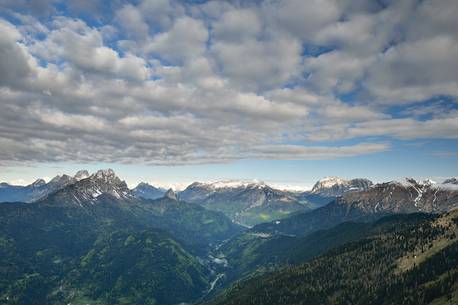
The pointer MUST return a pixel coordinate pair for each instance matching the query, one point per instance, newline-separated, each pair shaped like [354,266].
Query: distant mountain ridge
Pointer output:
[148,191]
[247,203]
[370,204]
[38,189]
[254,202]
[405,197]
[334,186]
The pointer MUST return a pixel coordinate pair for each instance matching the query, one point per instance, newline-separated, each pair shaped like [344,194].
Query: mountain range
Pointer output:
[89,239]
[60,248]
[247,203]
[370,204]
[38,189]
[335,186]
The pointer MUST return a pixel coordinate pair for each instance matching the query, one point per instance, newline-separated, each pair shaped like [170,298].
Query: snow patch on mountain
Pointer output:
[232,184]
[335,186]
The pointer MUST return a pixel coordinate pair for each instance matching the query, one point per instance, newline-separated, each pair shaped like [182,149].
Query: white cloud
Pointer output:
[167,82]
[414,71]
[237,25]
[302,18]
[14,60]
[407,128]
[132,20]
[160,13]
[336,71]
[185,40]
[258,64]
[83,47]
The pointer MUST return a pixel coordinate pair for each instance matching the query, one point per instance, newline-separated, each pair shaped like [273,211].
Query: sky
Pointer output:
[283,91]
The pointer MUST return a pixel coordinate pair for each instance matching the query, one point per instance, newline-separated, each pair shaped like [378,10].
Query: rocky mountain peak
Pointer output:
[335,186]
[61,180]
[327,182]
[55,179]
[418,184]
[405,197]
[170,194]
[147,191]
[143,185]
[87,191]
[411,181]
[81,174]
[38,183]
[107,175]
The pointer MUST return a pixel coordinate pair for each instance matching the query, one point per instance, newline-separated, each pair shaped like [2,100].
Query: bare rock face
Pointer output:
[382,199]
[334,186]
[170,194]
[86,191]
[80,175]
[410,196]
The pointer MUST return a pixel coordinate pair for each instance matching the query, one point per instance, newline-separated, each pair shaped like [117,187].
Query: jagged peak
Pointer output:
[61,179]
[409,181]
[107,175]
[55,179]
[100,183]
[81,174]
[418,185]
[38,182]
[170,194]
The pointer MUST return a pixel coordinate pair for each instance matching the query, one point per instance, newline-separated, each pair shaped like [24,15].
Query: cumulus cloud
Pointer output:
[82,46]
[14,60]
[302,18]
[170,82]
[237,25]
[132,20]
[185,40]
[255,64]
[414,71]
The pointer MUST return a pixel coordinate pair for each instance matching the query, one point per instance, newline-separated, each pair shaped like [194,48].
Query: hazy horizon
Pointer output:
[293,185]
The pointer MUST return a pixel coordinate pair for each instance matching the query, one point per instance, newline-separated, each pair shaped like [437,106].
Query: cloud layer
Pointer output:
[167,82]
